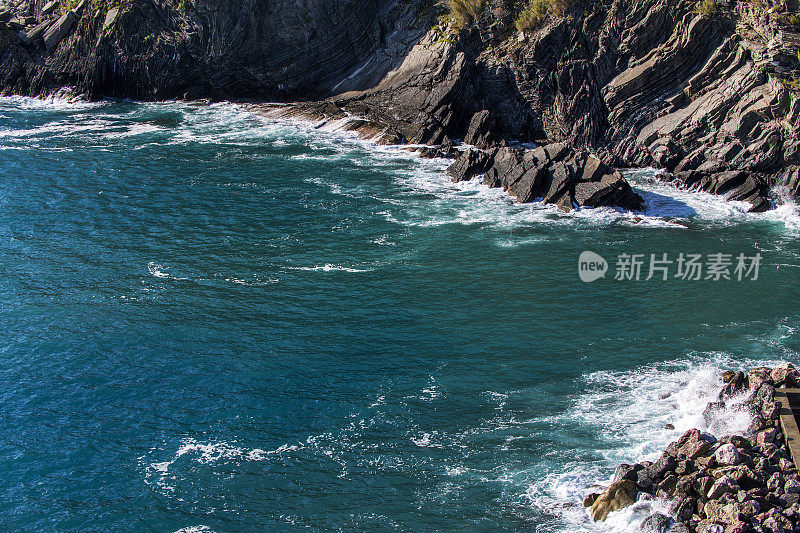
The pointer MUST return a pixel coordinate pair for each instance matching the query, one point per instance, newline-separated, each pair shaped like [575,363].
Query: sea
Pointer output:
[213,320]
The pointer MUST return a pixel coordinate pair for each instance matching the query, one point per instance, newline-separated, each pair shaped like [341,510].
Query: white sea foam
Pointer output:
[159,271]
[256,282]
[330,268]
[628,413]
[61,101]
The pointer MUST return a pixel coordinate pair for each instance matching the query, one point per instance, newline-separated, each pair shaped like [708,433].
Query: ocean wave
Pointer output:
[63,100]
[627,412]
[159,271]
[330,268]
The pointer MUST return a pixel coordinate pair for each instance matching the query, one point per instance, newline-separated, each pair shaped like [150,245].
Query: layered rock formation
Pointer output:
[158,49]
[738,483]
[711,99]
[555,173]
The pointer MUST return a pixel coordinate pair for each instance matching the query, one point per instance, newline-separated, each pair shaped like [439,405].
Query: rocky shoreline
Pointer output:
[731,484]
[709,96]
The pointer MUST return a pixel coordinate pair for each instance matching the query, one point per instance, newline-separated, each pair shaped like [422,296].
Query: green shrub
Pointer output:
[463,12]
[706,7]
[536,11]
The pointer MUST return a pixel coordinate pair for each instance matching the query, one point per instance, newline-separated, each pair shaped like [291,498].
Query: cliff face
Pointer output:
[643,82]
[712,99]
[156,49]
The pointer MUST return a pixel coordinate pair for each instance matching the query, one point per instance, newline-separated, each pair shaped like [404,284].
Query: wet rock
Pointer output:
[727,455]
[691,445]
[618,495]
[722,486]
[590,499]
[470,164]
[656,523]
[626,471]
[735,384]
[555,173]
[480,132]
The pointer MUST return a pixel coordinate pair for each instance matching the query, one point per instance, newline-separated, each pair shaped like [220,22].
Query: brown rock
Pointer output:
[618,495]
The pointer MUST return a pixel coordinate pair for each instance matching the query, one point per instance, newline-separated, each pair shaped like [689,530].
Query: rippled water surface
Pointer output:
[211,321]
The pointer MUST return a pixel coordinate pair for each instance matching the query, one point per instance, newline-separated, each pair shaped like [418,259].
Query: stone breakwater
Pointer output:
[731,484]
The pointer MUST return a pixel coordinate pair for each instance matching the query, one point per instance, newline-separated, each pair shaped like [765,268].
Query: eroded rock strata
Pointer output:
[555,173]
[711,99]
[736,483]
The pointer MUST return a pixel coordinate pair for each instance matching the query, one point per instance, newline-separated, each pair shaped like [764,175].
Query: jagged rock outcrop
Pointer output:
[641,82]
[555,173]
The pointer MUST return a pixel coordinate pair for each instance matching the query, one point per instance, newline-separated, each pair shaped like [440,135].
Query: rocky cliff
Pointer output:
[711,98]
[160,49]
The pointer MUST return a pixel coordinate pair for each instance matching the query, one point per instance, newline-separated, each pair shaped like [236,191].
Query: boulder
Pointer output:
[785,375]
[50,7]
[656,523]
[626,471]
[480,132]
[792,486]
[691,445]
[590,499]
[706,526]
[723,485]
[618,495]
[471,163]
[727,455]
[555,173]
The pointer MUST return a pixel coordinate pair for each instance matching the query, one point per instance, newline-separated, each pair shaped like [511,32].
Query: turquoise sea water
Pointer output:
[216,322]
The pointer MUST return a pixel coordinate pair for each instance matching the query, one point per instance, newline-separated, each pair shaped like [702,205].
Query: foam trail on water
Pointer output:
[331,268]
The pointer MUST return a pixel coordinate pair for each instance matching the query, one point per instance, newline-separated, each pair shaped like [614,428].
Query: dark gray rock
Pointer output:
[56,33]
[480,132]
[471,163]
[656,523]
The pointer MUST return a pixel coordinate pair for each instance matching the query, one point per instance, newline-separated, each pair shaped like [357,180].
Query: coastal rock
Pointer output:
[554,173]
[727,455]
[722,486]
[656,523]
[785,375]
[735,483]
[691,445]
[625,471]
[618,495]
[480,132]
[471,163]
[59,29]
[706,526]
